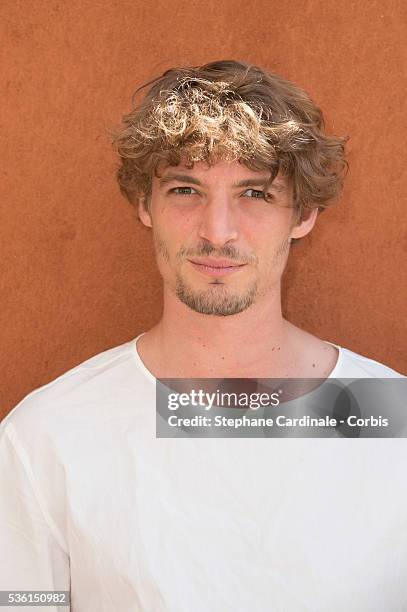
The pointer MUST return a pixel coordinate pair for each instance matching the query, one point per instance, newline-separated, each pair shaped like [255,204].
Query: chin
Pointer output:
[216,298]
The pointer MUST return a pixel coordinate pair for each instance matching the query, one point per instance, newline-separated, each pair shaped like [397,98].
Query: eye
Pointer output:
[255,194]
[183,190]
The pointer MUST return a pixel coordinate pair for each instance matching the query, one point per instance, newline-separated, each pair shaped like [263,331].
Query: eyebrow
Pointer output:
[186,178]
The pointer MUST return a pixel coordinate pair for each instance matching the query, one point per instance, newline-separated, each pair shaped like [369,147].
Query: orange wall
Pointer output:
[77,275]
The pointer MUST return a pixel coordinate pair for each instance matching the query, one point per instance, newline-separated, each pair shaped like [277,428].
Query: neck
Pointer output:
[249,344]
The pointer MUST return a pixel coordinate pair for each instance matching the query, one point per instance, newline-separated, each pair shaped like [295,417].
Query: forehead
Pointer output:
[229,173]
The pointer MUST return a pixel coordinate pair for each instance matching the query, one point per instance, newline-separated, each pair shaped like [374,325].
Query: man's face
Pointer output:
[220,245]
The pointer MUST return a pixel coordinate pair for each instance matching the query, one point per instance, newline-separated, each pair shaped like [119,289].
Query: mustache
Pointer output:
[227,251]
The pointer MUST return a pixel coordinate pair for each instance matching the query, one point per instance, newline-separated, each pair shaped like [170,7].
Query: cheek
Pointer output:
[266,224]
[169,237]
[176,229]
[160,246]
[271,246]
[177,216]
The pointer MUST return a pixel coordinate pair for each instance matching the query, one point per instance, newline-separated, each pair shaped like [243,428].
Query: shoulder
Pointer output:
[67,432]
[355,365]
[88,385]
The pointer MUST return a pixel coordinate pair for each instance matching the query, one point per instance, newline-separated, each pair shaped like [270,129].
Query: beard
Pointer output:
[218,299]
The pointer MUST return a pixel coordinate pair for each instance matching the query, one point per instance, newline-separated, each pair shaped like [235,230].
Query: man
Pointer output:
[228,165]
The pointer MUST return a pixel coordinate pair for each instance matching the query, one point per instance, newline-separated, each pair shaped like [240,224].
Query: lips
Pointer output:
[216,263]
[216,267]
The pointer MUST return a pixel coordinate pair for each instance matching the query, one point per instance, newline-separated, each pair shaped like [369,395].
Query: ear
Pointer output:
[143,214]
[305,226]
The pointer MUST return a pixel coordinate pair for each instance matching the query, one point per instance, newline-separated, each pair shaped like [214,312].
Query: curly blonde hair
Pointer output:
[230,111]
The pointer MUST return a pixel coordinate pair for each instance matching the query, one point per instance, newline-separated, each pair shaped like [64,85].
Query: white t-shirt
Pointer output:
[92,502]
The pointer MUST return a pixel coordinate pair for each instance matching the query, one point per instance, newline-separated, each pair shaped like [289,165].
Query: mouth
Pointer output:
[216,267]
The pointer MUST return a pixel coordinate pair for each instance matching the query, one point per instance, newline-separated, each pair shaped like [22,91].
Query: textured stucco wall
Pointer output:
[77,275]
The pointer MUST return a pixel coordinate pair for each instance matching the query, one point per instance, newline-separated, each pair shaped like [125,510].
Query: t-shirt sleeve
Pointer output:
[33,556]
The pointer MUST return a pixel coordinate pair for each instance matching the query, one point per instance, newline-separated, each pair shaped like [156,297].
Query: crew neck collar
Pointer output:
[152,378]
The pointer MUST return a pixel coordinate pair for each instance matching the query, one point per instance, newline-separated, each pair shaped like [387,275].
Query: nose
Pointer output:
[218,223]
